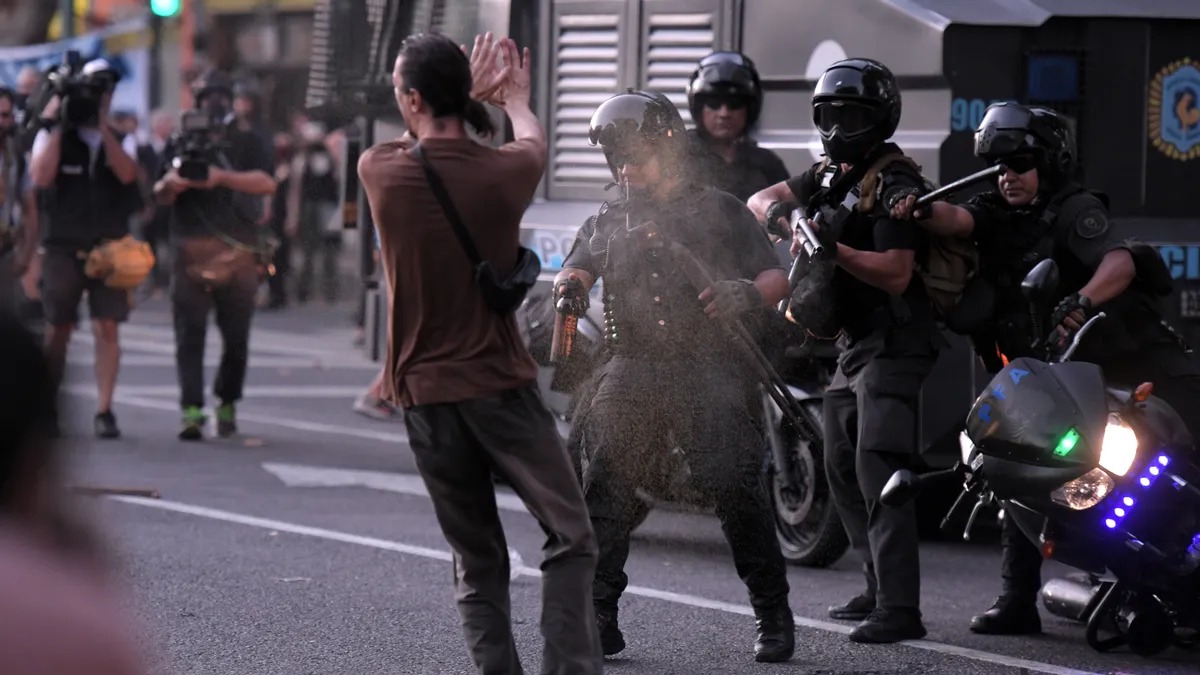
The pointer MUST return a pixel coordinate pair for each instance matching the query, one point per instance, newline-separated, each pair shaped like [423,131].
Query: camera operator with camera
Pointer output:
[215,180]
[87,174]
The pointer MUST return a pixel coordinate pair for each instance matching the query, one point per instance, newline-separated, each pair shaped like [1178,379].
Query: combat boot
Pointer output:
[611,639]
[1012,614]
[857,609]
[884,626]
[776,641]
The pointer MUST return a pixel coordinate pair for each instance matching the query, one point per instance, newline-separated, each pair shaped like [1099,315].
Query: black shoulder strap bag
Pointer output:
[503,296]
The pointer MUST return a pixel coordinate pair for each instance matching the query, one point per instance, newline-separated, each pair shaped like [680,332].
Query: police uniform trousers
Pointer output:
[870,415]
[1176,378]
[708,408]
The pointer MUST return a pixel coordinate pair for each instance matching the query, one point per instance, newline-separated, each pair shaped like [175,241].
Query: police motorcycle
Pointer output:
[1099,478]
[809,530]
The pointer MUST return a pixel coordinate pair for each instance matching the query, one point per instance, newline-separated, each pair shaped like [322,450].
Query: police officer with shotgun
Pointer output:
[681,264]
[889,335]
[1039,211]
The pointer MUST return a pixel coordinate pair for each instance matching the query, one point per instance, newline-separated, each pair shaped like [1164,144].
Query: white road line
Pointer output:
[285,422]
[256,361]
[302,476]
[666,596]
[290,392]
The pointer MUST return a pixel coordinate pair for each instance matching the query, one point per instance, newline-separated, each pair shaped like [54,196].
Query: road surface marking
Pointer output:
[256,361]
[285,422]
[295,391]
[299,475]
[666,596]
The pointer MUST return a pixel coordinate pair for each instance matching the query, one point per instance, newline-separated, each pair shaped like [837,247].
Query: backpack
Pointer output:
[948,264]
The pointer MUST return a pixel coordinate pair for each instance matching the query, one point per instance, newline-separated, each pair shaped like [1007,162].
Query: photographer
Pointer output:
[87,173]
[215,179]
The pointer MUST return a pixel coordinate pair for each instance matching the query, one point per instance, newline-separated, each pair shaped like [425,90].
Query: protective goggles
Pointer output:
[852,117]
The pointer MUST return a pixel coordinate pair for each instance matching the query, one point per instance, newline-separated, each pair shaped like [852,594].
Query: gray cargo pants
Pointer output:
[458,446]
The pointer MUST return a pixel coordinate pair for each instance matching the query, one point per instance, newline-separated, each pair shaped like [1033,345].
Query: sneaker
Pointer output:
[106,425]
[375,408]
[193,423]
[226,420]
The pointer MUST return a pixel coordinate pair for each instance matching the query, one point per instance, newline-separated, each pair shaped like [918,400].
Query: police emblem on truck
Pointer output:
[1175,110]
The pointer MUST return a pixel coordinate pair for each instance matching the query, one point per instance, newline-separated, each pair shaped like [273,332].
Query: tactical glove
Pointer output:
[1063,312]
[570,297]
[775,212]
[731,297]
[828,239]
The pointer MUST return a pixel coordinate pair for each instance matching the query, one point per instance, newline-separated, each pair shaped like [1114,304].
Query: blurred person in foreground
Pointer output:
[457,364]
[18,237]
[59,613]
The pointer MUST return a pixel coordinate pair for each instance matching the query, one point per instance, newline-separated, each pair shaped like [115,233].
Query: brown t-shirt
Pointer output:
[444,343]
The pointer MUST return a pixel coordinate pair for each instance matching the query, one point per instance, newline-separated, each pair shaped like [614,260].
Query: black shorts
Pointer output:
[64,284]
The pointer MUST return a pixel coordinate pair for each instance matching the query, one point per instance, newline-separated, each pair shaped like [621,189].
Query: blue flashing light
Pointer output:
[1145,482]
[1154,471]
[1164,460]
[1128,501]
[1112,524]
[1119,512]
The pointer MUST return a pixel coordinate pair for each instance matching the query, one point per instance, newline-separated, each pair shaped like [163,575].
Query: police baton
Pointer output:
[699,277]
[813,250]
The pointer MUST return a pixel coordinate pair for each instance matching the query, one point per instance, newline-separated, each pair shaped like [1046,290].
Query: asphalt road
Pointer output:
[306,545]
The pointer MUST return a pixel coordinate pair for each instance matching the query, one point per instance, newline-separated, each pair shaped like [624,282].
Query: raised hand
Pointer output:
[518,88]
[488,75]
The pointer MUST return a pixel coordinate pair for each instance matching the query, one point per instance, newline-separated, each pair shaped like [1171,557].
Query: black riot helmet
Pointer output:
[856,106]
[1009,129]
[725,75]
[629,125]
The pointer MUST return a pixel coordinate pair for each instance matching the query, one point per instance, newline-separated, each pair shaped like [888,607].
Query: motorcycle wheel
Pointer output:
[807,524]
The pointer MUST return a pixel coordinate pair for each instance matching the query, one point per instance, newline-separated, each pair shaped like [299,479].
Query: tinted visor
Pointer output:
[852,117]
[633,153]
[731,101]
[1004,130]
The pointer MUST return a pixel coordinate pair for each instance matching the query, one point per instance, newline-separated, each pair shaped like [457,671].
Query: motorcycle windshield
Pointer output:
[1050,415]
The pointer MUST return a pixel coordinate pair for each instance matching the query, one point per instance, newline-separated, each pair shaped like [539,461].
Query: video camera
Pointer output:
[79,94]
[196,144]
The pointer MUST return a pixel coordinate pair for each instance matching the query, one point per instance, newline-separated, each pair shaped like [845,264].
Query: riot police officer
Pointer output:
[889,337]
[1040,212]
[671,372]
[725,98]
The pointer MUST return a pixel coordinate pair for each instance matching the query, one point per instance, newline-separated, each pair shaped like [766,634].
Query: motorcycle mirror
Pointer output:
[1040,285]
[901,488]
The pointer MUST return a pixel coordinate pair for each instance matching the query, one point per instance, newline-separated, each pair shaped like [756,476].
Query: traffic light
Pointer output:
[165,8]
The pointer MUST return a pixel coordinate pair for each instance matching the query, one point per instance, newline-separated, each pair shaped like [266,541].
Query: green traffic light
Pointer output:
[165,8]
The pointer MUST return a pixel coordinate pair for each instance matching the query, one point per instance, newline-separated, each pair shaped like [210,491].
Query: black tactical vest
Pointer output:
[87,203]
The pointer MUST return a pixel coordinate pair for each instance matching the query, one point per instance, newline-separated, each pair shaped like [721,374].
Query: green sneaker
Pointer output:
[193,421]
[226,420]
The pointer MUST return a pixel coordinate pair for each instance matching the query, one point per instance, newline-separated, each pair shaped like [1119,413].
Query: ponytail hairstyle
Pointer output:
[436,67]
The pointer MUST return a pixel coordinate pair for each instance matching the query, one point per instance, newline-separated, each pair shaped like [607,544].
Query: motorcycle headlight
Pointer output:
[1084,492]
[966,447]
[1120,445]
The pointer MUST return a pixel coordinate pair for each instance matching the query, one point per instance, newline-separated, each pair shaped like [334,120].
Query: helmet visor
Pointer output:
[850,116]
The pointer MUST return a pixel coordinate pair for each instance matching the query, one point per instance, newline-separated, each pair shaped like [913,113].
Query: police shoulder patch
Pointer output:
[1092,223]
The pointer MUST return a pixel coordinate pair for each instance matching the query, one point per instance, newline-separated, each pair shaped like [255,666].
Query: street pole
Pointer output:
[155,61]
[66,13]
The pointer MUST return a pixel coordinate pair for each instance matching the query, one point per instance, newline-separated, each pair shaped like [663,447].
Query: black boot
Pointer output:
[1012,614]
[857,609]
[884,626]
[776,641]
[611,639]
